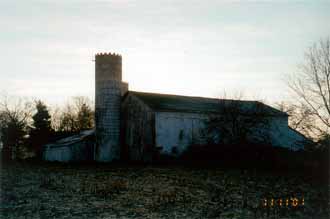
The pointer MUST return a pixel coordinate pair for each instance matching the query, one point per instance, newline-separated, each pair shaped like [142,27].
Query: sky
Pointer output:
[197,48]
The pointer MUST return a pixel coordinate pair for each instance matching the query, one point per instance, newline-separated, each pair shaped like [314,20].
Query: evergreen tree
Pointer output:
[42,130]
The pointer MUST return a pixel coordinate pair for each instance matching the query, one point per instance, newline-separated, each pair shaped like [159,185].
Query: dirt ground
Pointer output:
[120,191]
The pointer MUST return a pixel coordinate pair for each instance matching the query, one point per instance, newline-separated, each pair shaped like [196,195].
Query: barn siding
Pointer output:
[171,132]
[283,136]
[175,131]
[137,129]
[78,151]
[62,154]
[179,130]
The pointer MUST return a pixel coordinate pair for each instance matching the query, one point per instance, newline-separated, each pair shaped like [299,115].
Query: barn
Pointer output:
[78,147]
[170,123]
[138,124]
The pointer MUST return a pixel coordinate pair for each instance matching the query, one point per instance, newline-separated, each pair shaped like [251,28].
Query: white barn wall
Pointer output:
[62,154]
[79,147]
[178,129]
[283,136]
[168,126]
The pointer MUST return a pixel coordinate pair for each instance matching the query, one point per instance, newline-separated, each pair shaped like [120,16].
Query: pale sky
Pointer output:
[199,48]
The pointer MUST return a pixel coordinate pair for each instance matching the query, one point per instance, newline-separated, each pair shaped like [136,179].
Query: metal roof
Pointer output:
[67,141]
[178,103]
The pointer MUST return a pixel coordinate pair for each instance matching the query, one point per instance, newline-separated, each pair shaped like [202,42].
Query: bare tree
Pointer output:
[311,85]
[300,118]
[85,114]
[239,122]
[15,118]
[76,115]
[55,116]
[68,119]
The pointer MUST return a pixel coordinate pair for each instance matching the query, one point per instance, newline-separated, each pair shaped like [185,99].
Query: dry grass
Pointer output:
[105,191]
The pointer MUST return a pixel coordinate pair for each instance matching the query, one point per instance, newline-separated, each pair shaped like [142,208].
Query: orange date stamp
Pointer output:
[283,202]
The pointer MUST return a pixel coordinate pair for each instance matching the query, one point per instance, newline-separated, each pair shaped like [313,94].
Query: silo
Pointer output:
[108,89]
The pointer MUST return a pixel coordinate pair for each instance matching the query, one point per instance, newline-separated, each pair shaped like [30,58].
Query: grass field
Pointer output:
[122,191]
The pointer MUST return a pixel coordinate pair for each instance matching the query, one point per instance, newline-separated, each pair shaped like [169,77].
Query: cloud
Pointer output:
[184,47]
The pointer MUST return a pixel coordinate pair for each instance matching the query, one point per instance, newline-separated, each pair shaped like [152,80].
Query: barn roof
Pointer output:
[178,103]
[67,141]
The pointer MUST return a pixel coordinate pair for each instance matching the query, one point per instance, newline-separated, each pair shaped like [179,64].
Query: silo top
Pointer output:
[108,66]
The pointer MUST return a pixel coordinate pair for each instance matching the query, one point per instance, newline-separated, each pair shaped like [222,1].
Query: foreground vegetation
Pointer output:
[44,190]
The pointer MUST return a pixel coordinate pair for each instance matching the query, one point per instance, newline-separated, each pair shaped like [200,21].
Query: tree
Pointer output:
[55,118]
[68,120]
[239,122]
[41,119]
[324,142]
[300,118]
[85,114]
[15,118]
[311,86]
[85,117]
[77,115]
[42,130]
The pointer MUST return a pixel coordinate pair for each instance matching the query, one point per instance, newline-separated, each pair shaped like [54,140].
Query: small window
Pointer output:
[174,150]
[181,135]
